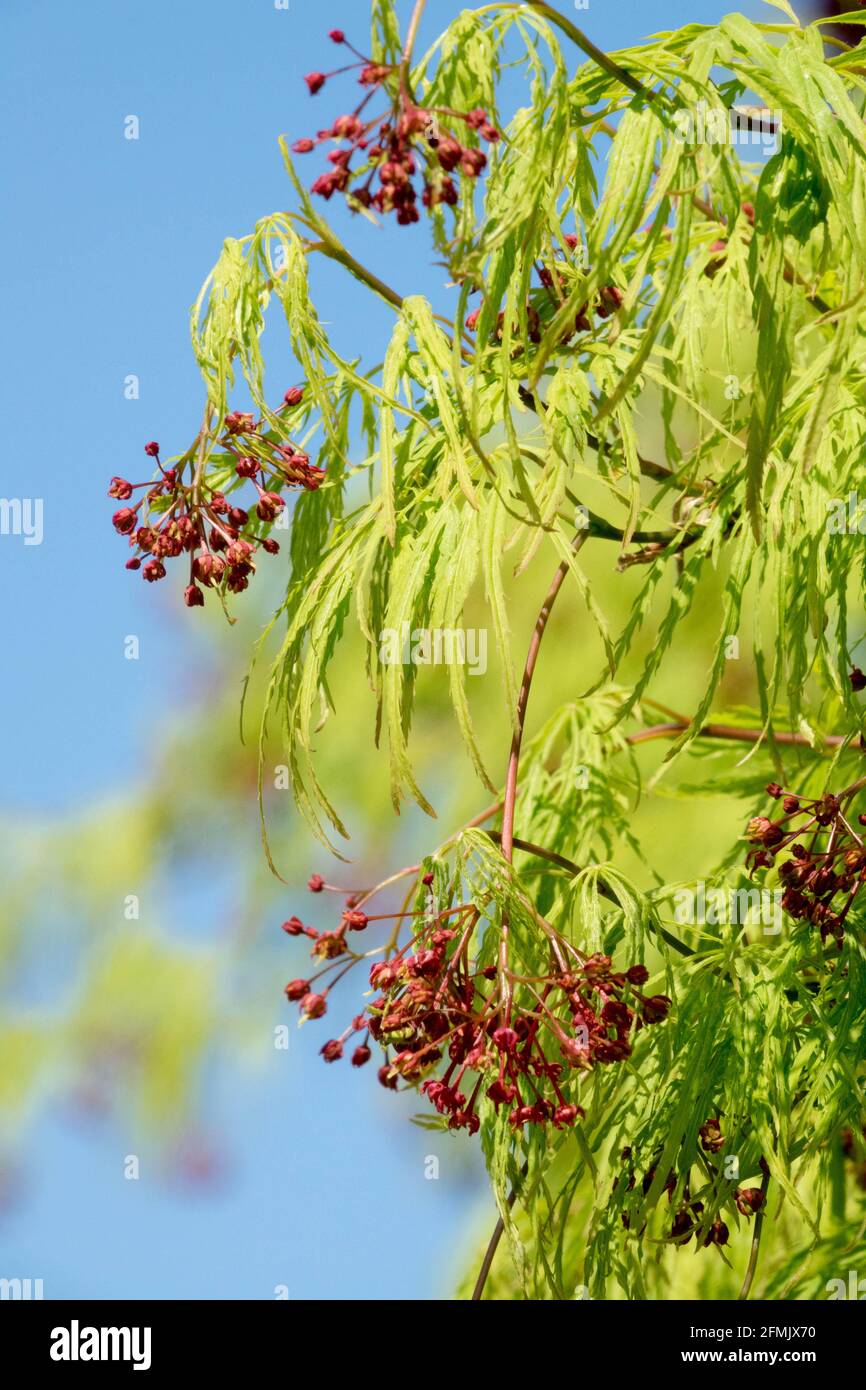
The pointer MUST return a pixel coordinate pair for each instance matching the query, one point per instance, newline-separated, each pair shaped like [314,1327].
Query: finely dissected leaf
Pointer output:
[644,374]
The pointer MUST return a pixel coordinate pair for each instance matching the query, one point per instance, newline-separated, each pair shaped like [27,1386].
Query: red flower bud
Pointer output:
[749,1200]
[293,396]
[326,185]
[336,36]
[762,830]
[247,467]
[502,1092]
[566,1115]
[448,153]
[315,81]
[333,1050]
[239,552]
[609,300]
[361,1055]
[268,505]
[297,989]
[208,569]
[124,521]
[120,489]
[152,449]
[239,422]
[153,570]
[314,1005]
[472,162]
[655,1009]
[293,927]
[857,679]
[505,1039]
[315,883]
[373,74]
[616,1014]
[355,921]
[712,1139]
[303,146]
[193,596]
[718,1234]
[384,973]
[637,975]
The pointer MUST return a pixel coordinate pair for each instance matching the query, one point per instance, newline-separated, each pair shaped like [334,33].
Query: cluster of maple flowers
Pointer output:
[174,517]
[688,1218]
[451,1025]
[393,145]
[555,286]
[821,878]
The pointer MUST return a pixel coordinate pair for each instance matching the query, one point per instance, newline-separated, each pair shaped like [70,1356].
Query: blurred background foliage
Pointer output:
[130,1014]
[125,1014]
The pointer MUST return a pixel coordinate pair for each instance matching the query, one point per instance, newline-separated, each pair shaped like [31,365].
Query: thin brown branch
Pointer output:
[732,734]
[337,252]
[330,246]
[577,36]
[408,48]
[650,469]
[516,742]
[574,869]
[493,1243]
[756,1242]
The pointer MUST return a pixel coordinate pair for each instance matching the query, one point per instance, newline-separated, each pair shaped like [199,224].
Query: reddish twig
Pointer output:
[516,742]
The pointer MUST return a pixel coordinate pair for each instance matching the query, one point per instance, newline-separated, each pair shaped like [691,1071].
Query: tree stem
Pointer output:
[756,1242]
[732,734]
[514,756]
[586,45]
[493,1243]
[411,35]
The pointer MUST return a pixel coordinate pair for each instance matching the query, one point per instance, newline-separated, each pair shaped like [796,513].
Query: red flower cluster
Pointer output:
[448,1026]
[820,880]
[393,144]
[542,307]
[174,516]
[688,1219]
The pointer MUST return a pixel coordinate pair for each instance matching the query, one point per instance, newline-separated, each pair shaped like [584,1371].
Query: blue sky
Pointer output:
[105,243]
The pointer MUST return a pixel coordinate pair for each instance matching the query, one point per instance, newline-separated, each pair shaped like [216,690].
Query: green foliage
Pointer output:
[479,447]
